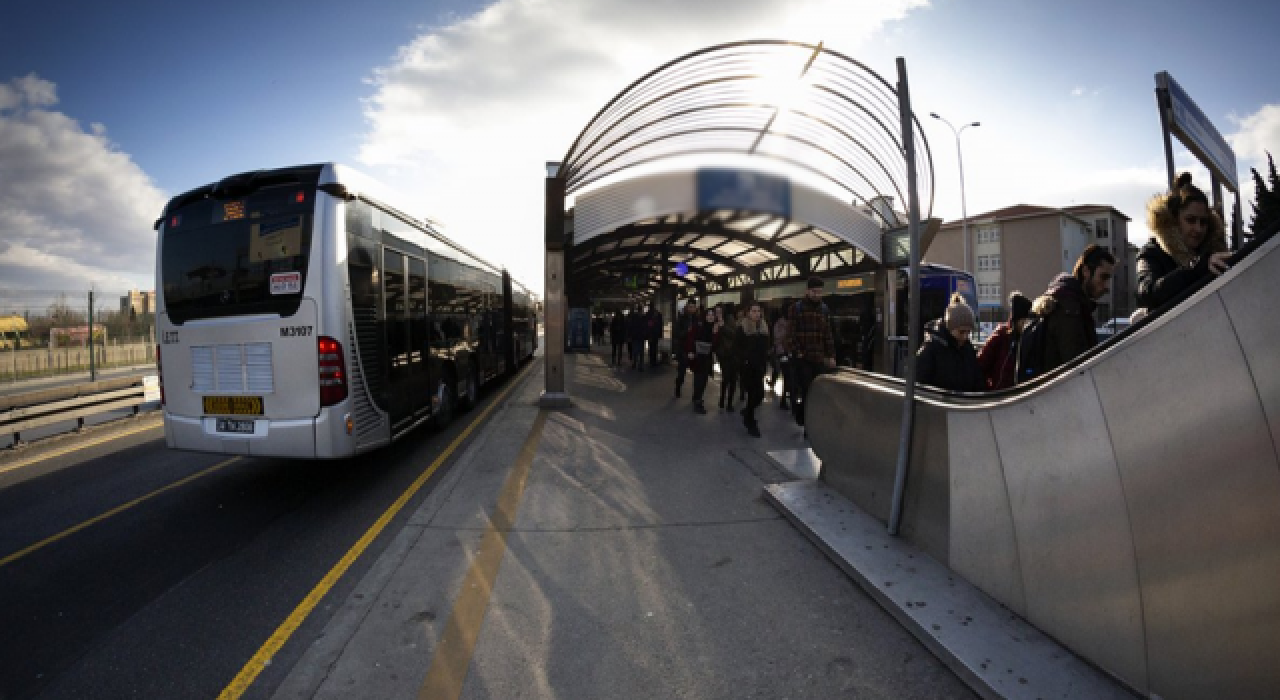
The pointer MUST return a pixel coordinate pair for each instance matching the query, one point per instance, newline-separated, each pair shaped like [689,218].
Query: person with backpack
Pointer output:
[727,354]
[1189,244]
[679,332]
[998,357]
[1062,324]
[813,346]
[946,358]
[753,342]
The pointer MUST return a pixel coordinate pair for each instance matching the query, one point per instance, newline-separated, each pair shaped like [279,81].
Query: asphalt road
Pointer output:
[170,597]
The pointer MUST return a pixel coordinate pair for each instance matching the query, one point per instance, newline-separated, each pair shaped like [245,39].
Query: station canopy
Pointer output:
[745,163]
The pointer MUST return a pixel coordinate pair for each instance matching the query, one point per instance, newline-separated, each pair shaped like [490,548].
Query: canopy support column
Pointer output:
[554,395]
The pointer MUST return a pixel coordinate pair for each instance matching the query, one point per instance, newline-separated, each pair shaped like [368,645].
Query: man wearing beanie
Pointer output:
[813,347]
[946,359]
[998,358]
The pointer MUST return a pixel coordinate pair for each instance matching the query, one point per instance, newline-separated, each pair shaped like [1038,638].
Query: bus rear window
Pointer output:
[233,257]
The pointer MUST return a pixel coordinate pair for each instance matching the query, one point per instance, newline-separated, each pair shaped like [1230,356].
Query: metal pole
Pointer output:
[1162,104]
[93,374]
[913,315]
[554,312]
[964,212]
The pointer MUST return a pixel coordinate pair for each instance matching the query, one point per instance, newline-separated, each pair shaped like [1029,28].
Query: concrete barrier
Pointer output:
[1129,508]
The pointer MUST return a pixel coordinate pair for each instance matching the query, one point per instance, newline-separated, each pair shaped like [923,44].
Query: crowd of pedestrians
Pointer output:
[1188,246]
[1040,335]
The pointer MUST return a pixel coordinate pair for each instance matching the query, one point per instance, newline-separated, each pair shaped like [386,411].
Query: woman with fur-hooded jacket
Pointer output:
[1189,244]
[946,358]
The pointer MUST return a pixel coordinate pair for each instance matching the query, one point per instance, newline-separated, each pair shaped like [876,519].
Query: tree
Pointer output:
[1266,205]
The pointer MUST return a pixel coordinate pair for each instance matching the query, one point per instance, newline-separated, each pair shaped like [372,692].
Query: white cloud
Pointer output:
[1077,92]
[1256,135]
[467,113]
[73,209]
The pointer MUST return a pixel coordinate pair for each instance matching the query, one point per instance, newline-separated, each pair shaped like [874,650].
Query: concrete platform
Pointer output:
[994,651]
[642,561]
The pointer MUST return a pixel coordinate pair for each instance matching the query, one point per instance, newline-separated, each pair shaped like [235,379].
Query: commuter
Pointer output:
[617,336]
[654,320]
[781,353]
[753,342]
[1067,309]
[998,358]
[946,358]
[637,331]
[1189,244]
[741,317]
[813,348]
[685,320]
[699,341]
[728,355]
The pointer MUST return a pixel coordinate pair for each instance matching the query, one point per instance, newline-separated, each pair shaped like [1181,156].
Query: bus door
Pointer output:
[395,319]
[419,380]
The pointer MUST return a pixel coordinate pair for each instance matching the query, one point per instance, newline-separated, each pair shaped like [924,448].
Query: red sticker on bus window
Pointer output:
[286,283]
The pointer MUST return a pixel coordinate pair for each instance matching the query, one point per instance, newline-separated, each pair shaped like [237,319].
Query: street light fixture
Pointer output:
[964,215]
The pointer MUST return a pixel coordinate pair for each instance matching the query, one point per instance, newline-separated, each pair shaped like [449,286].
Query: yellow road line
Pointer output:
[452,659]
[78,446]
[277,640]
[114,511]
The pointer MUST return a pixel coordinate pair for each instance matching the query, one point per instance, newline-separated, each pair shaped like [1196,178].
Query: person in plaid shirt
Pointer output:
[813,347]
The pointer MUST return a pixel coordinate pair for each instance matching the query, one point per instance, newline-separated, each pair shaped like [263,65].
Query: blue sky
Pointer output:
[458,104]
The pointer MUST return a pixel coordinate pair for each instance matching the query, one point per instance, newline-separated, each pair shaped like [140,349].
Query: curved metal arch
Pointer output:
[608,256]
[707,78]
[677,229]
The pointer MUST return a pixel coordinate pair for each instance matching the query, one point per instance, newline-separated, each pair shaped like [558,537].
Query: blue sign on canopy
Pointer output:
[723,188]
[682,269]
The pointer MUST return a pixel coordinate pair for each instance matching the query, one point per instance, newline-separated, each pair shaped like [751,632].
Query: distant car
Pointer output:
[1111,328]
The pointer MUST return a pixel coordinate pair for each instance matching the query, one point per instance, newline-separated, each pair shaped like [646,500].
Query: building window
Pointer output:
[1102,227]
[988,262]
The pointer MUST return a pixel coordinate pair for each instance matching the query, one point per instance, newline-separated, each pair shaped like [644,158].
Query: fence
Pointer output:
[46,332]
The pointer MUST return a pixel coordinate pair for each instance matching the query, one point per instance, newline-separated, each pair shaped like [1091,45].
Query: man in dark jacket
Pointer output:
[617,336]
[678,333]
[637,332]
[1068,306]
[654,320]
[946,358]
[813,347]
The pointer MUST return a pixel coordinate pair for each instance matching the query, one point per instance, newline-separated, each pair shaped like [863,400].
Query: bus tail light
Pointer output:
[160,374]
[333,372]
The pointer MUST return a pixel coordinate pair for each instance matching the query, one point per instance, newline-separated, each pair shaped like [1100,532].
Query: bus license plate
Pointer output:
[231,425]
[233,405]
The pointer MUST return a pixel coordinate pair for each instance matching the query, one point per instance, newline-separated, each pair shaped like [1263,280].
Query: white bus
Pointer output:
[301,313]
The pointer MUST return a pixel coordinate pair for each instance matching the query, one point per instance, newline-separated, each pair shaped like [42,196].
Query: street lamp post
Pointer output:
[964,215]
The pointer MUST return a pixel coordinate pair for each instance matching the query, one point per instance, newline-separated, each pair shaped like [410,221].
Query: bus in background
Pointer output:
[301,313]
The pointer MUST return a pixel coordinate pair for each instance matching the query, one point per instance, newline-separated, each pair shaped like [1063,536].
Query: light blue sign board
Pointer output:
[579,336]
[722,188]
[1198,133]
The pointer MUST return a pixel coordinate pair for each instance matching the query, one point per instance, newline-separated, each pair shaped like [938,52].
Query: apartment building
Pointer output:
[1024,246]
[138,301]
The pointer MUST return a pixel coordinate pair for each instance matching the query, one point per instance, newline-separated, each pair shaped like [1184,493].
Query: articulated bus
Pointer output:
[301,313]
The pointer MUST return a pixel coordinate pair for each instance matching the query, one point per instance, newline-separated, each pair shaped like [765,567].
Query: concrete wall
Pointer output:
[1127,508]
[1032,254]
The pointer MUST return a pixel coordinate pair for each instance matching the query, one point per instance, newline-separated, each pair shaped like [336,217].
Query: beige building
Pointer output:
[139,302]
[1024,247]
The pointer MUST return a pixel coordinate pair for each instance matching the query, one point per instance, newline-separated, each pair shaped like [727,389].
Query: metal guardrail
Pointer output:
[37,409]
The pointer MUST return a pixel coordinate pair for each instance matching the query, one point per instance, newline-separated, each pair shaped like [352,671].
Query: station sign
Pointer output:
[1196,132]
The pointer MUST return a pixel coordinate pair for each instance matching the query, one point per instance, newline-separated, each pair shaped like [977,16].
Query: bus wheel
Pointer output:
[472,396]
[444,411]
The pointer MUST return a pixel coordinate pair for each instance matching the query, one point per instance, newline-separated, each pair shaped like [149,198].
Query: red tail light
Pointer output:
[160,374]
[333,371]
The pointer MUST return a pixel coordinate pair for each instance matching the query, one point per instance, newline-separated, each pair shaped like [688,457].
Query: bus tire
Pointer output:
[444,415]
[472,397]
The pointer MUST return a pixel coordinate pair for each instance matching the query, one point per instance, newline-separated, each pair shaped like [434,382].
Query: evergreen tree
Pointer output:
[1266,206]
